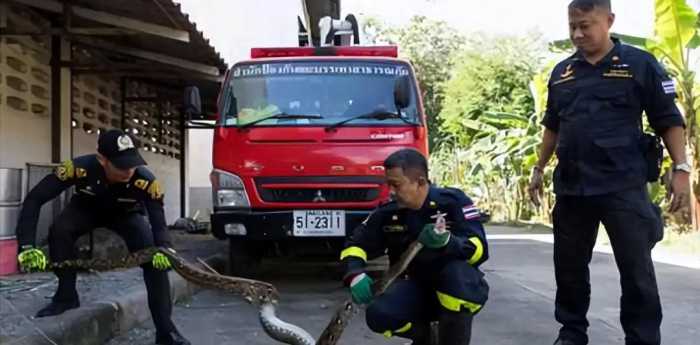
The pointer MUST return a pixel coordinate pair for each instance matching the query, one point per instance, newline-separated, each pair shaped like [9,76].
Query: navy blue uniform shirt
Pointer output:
[390,229]
[597,112]
[141,194]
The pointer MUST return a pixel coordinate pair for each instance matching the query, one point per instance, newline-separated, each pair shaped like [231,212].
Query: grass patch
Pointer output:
[685,243]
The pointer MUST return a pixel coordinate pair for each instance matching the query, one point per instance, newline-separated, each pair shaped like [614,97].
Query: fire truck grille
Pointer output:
[309,195]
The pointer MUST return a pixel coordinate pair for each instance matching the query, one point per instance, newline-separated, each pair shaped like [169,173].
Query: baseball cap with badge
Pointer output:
[119,148]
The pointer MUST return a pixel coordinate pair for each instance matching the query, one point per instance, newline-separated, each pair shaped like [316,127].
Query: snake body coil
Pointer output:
[261,294]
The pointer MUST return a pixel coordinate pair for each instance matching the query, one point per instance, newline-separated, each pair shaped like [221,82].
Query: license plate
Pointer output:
[319,223]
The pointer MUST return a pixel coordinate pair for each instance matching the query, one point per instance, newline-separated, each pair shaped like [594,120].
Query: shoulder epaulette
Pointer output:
[146,181]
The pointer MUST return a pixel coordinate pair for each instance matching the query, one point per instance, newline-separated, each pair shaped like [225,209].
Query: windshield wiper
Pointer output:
[378,114]
[280,116]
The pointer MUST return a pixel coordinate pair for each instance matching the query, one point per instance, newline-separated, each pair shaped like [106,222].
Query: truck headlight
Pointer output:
[235,229]
[228,190]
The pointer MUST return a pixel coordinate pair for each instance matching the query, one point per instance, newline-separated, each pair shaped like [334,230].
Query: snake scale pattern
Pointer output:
[261,294]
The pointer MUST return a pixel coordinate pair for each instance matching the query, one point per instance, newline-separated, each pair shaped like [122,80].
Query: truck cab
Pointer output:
[299,144]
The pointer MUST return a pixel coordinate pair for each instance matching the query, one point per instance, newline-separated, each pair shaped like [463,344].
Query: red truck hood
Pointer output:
[308,151]
[345,165]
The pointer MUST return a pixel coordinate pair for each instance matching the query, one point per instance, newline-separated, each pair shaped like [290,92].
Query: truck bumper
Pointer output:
[271,225]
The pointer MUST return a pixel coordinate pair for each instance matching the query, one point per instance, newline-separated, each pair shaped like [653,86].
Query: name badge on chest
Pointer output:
[394,228]
[618,70]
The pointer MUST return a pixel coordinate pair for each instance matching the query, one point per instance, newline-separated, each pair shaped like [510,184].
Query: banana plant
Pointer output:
[495,166]
[675,37]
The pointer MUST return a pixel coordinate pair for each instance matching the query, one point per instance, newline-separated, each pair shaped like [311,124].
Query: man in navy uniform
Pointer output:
[443,282]
[594,121]
[113,189]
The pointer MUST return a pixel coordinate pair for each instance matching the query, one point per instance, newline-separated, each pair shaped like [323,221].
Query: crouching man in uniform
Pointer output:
[443,282]
[113,189]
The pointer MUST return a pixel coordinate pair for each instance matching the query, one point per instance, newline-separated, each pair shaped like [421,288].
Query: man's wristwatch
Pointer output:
[683,167]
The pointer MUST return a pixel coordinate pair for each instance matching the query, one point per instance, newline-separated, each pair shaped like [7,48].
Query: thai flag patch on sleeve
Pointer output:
[470,212]
[669,86]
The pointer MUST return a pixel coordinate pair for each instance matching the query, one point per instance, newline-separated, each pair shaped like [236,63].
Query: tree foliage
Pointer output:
[431,46]
[490,116]
[485,96]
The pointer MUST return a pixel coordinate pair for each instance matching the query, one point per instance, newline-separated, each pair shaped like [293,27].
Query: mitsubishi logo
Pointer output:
[319,197]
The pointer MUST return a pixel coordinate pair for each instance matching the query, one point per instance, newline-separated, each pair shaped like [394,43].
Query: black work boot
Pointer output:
[65,297]
[172,338]
[419,334]
[57,308]
[455,328]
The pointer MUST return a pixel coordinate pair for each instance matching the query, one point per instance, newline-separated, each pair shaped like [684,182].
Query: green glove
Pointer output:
[361,289]
[161,262]
[32,260]
[433,239]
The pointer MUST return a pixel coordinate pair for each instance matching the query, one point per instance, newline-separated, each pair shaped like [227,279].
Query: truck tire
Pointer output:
[243,258]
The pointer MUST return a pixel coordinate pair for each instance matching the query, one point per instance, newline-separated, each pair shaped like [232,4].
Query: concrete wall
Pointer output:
[25,120]
[167,170]
[199,166]
[25,96]
[200,200]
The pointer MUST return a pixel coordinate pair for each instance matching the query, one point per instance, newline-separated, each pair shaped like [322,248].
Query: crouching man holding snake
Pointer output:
[113,189]
[443,282]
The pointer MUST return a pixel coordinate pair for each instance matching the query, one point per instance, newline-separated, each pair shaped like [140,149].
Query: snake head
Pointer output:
[440,223]
[271,294]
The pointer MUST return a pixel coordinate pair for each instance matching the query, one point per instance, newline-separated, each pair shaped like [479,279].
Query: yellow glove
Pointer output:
[161,262]
[32,260]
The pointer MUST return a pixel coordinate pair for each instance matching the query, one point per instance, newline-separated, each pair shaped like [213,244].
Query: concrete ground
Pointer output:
[111,302]
[520,310]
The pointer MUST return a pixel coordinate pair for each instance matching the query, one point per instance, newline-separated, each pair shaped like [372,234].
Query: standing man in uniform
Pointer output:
[113,189]
[594,121]
[443,282]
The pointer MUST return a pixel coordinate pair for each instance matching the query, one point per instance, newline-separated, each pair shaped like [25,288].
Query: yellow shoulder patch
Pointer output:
[154,190]
[80,172]
[65,171]
[141,184]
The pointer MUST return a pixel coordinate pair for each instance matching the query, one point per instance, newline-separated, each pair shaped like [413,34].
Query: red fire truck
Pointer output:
[299,142]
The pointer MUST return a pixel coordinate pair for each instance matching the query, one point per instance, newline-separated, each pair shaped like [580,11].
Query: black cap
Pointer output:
[119,148]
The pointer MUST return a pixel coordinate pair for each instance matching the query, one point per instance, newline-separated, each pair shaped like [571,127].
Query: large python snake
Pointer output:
[256,292]
[262,294]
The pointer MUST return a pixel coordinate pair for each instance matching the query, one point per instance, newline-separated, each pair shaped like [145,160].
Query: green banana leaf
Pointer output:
[675,26]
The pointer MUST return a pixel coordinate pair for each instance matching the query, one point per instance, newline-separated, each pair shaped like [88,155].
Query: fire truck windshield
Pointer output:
[315,93]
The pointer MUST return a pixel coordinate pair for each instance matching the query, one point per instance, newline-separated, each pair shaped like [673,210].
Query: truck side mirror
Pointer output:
[193,102]
[402,92]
